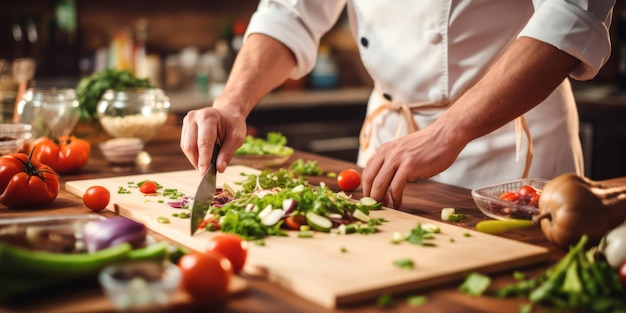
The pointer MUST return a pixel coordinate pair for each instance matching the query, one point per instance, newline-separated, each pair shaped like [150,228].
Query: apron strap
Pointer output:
[368,129]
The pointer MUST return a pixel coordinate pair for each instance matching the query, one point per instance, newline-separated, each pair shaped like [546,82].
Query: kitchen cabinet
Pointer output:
[603,134]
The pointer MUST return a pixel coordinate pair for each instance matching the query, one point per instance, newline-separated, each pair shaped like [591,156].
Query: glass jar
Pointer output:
[51,112]
[136,113]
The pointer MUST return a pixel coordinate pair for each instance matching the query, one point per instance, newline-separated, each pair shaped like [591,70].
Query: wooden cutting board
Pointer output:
[332,270]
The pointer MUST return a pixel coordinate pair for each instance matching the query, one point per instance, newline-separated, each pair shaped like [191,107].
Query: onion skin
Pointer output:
[571,206]
[113,231]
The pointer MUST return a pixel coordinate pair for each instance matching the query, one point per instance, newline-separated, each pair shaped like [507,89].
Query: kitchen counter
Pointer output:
[181,102]
[424,198]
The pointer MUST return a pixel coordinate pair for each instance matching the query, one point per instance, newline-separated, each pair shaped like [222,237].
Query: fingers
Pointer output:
[188,140]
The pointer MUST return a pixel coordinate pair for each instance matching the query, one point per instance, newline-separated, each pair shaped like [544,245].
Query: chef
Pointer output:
[467,93]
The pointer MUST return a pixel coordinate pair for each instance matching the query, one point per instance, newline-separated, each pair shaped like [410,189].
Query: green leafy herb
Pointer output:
[575,283]
[309,168]
[90,89]
[274,144]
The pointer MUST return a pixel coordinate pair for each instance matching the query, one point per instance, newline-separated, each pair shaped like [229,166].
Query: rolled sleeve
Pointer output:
[578,31]
[299,25]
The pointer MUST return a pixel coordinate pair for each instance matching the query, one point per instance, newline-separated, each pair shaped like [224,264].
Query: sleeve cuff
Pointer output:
[572,30]
[285,27]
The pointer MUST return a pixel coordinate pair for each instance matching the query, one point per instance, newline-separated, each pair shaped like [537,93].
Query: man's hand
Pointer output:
[202,128]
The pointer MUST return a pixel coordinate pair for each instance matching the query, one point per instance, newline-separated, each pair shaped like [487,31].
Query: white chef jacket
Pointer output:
[433,50]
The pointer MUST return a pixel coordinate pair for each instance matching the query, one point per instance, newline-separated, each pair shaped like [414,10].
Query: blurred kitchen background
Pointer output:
[186,47]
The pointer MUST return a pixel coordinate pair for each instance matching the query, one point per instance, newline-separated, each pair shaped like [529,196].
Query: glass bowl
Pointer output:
[488,199]
[136,113]
[144,285]
[14,137]
[50,111]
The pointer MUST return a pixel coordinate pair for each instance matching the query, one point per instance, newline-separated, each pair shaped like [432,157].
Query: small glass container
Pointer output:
[136,113]
[14,137]
[51,112]
[488,200]
[146,285]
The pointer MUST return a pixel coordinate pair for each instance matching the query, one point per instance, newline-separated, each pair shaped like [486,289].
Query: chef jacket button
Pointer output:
[387,96]
[364,42]
[432,36]
[434,95]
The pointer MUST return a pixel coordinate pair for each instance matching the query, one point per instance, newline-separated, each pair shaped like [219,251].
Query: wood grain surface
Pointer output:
[316,268]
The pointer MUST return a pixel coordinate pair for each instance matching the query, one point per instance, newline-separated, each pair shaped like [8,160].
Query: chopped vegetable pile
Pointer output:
[268,202]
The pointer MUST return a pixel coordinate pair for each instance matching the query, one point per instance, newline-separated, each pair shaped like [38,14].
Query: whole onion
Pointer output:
[110,232]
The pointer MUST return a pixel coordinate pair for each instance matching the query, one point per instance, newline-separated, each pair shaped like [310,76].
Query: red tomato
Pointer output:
[349,180]
[26,182]
[527,190]
[294,222]
[510,196]
[148,187]
[65,154]
[622,273]
[204,276]
[96,198]
[232,246]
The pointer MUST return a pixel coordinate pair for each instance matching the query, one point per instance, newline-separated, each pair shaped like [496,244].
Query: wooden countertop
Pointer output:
[181,102]
[424,198]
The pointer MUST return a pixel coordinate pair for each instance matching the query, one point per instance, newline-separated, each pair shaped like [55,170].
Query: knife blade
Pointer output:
[204,194]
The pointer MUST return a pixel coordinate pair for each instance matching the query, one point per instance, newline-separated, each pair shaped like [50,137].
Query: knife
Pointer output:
[204,195]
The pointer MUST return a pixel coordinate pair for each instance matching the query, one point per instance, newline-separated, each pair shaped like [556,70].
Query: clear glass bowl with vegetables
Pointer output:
[263,152]
[517,199]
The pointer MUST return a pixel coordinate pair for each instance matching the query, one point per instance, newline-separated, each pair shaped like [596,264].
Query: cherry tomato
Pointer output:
[510,196]
[294,222]
[527,190]
[232,246]
[148,187]
[349,179]
[204,275]
[96,198]
[622,273]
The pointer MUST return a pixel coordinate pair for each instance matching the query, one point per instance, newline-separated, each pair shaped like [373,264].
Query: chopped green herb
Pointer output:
[259,242]
[452,239]
[404,263]
[122,190]
[456,217]
[385,301]
[475,284]
[467,235]
[162,220]
[183,215]
[416,300]
[343,250]
[519,275]
[418,235]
